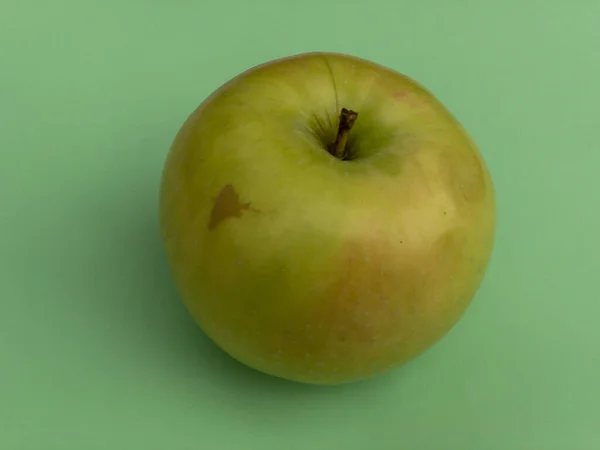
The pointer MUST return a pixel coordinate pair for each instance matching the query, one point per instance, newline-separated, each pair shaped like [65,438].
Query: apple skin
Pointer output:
[314,269]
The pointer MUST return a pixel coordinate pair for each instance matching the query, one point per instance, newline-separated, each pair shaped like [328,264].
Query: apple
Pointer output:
[325,218]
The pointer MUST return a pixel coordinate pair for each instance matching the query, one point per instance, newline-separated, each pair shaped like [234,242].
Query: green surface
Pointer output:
[96,351]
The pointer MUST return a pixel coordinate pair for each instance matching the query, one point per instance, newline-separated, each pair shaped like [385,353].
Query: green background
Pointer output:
[96,351]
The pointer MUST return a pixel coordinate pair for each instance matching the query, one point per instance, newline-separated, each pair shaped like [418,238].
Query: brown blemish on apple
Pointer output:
[227,205]
[406,97]
[400,95]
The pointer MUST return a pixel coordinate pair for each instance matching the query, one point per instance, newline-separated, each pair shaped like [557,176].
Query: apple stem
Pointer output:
[347,119]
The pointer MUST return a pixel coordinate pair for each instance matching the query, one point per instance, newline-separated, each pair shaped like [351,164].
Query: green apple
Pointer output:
[325,218]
